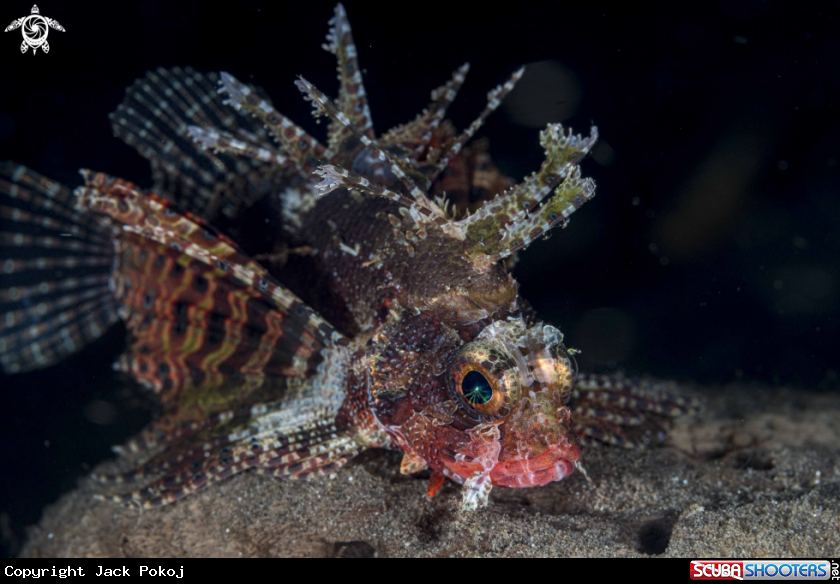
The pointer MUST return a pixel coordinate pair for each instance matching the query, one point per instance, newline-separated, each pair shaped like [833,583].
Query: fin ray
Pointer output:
[352,99]
[416,134]
[54,275]
[204,318]
[155,117]
[625,412]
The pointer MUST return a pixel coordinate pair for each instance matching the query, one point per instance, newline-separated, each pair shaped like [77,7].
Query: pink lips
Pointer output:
[552,465]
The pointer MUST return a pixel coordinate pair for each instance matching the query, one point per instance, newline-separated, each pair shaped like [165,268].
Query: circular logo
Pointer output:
[35,30]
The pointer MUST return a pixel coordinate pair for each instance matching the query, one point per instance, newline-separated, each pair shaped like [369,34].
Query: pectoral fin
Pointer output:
[411,463]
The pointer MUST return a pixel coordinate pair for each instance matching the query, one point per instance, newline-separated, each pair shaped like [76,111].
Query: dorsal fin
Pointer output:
[352,99]
[155,117]
[417,134]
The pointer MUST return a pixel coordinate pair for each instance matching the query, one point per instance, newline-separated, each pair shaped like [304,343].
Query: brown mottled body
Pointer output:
[361,244]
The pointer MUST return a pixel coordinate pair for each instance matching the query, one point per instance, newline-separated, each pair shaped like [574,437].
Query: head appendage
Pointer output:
[300,146]
[416,134]
[352,99]
[322,105]
[494,100]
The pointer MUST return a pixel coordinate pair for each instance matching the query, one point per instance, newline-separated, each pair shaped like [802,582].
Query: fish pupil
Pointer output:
[476,389]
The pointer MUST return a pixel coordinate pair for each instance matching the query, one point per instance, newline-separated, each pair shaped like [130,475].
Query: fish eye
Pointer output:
[476,389]
[483,380]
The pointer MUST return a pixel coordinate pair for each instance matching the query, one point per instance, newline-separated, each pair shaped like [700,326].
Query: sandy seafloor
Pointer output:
[756,474]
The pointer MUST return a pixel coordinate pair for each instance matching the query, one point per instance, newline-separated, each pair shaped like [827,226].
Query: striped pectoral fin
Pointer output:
[193,327]
[55,267]
[200,312]
[155,118]
[624,411]
[316,451]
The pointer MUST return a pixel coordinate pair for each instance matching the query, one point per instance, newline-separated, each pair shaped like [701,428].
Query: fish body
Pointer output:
[374,310]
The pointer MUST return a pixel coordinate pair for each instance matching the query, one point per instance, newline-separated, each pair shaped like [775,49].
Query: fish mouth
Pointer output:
[554,464]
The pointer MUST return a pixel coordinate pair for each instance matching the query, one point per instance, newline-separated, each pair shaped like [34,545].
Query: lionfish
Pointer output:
[380,313]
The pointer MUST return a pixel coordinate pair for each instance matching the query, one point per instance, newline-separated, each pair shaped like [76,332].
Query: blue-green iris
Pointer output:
[476,388]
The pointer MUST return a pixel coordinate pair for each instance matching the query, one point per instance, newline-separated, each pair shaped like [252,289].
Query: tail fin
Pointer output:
[55,272]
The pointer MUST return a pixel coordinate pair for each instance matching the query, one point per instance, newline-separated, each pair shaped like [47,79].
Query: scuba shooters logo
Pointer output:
[762,570]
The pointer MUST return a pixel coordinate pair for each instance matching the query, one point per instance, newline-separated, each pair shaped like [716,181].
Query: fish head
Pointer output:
[496,413]
[515,381]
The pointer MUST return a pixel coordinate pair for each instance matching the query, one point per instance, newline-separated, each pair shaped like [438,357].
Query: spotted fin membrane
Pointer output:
[250,377]
[623,411]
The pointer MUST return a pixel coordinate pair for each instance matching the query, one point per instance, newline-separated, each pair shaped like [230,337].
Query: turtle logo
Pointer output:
[35,28]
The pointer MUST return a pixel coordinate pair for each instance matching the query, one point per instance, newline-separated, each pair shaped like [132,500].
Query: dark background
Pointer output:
[710,254]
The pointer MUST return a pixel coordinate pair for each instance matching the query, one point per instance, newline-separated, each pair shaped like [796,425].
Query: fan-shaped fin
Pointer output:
[54,272]
[296,436]
[209,326]
[155,117]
